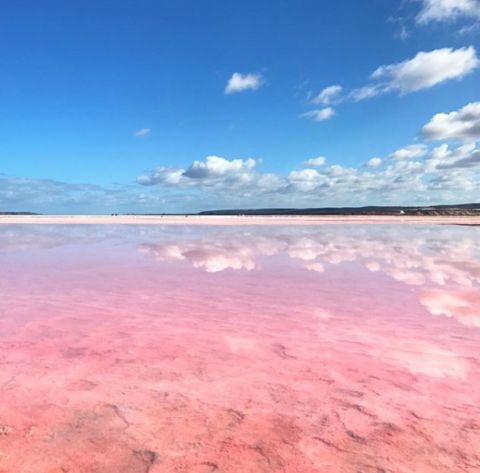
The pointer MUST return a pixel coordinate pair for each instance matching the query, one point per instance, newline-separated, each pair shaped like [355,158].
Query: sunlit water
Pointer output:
[328,349]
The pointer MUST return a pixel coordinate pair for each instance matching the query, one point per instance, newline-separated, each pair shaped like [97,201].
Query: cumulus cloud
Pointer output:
[306,180]
[320,114]
[459,125]
[318,161]
[409,152]
[374,162]
[444,157]
[447,10]
[425,70]
[241,82]
[406,174]
[213,170]
[215,166]
[328,95]
[142,133]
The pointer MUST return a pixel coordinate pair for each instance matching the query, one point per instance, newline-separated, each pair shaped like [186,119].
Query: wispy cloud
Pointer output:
[242,82]
[447,10]
[328,95]
[425,70]
[142,133]
[319,114]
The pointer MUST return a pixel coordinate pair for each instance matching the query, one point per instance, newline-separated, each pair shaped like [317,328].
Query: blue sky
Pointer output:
[153,106]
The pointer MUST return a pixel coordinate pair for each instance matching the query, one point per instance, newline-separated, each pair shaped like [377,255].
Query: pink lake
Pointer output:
[312,349]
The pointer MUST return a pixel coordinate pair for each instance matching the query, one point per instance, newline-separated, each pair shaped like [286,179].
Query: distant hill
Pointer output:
[437,210]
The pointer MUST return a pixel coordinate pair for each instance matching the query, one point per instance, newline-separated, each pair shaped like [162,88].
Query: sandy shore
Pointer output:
[233,220]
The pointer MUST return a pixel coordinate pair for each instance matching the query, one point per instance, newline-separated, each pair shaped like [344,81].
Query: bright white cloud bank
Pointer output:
[241,82]
[413,174]
[447,10]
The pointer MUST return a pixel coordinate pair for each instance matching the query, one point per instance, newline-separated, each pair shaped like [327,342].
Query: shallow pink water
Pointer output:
[329,349]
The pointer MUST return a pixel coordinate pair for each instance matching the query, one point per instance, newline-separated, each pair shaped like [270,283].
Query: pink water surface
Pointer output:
[325,349]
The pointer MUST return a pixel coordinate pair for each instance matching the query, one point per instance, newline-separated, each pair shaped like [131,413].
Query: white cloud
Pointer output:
[442,157]
[50,196]
[209,172]
[306,180]
[215,166]
[162,175]
[461,125]
[409,175]
[366,92]
[241,82]
[374,162]
[447,10]
[423,71]
[319,115]
[328,95]
[142,133]
[410,152]
[318,161]
[427,69]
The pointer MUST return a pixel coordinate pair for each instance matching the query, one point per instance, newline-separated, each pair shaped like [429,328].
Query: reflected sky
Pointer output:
[222,349]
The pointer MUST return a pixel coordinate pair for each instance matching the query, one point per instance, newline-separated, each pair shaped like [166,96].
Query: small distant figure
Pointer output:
[402,212]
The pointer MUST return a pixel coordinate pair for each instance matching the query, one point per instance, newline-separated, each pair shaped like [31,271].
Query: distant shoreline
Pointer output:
[235,220]
[450,210]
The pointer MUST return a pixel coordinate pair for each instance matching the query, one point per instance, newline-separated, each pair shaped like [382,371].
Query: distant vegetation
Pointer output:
[436,210]
[18,213]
